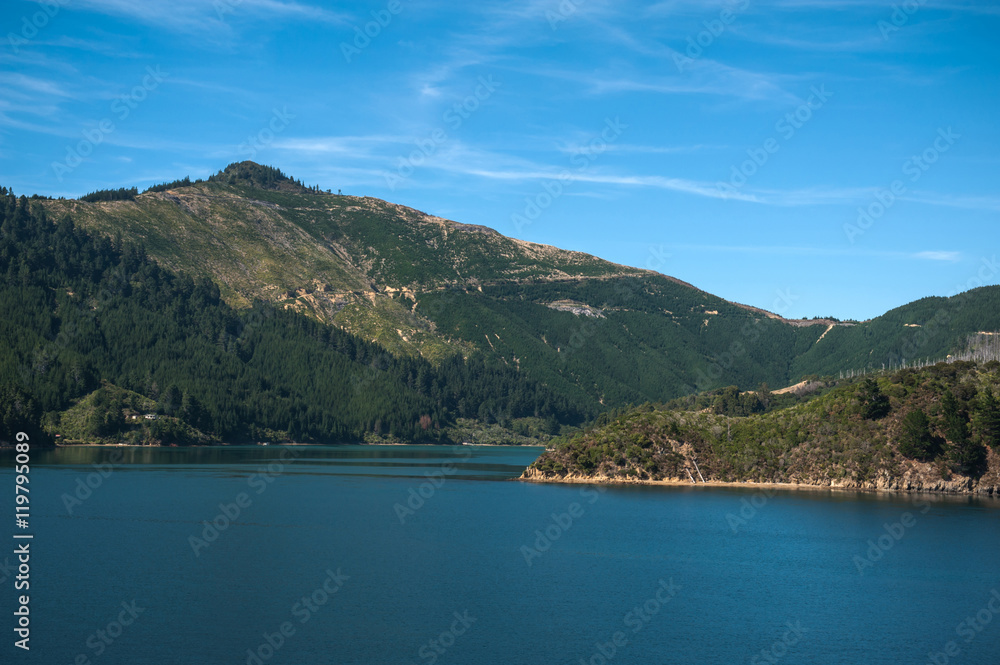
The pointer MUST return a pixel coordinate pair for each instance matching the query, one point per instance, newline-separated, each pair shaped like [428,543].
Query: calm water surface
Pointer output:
[426,557]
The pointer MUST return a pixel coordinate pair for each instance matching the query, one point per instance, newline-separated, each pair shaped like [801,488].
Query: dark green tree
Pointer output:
[872,401]
[764,394]
[106,418]
[170,400]
[967,456]
[986,419]
[728,402]
[192,413]
[915,439]
[955,419]
[19,412]
[121,194]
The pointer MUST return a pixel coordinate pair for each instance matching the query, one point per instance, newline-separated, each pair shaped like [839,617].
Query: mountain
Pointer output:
[419,284]
[354,261]
[580,335]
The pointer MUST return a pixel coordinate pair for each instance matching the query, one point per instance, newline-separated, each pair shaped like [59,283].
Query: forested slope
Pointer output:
[78,311]
[935,428]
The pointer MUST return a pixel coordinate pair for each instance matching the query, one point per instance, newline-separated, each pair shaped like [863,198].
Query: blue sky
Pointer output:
[809,157]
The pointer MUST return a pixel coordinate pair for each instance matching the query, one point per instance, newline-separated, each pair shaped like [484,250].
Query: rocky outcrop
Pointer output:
[576,308]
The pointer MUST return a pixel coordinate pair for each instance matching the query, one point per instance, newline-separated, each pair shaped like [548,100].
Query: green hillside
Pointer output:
[652,339]
[936,428]
[111,414]
[929,328]
[80,313]
[354,261]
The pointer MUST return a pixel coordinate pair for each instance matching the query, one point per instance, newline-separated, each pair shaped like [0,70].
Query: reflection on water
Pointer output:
[467,462]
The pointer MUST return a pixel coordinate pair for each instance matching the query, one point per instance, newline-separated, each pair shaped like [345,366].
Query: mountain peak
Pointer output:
[257,175]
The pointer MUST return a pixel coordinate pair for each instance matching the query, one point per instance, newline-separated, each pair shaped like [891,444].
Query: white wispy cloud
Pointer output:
[653,181]
[208,18]
[440,78]
[517,13]
[786,250]
[7,120]
[705,77]
[381,153]
[991,203]
[372,146]
[582,147]
[866,41]
[811,196]
[24,83]
[973,7]
[104,47]
[939,256]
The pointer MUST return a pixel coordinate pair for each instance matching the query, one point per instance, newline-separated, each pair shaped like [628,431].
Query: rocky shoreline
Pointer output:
[906,484]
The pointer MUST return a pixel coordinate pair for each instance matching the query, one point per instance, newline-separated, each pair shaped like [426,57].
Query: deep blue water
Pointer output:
[672,571]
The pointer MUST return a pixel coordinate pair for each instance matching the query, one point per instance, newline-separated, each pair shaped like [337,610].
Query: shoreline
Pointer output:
[277,445]
[990,493]
[530,475]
